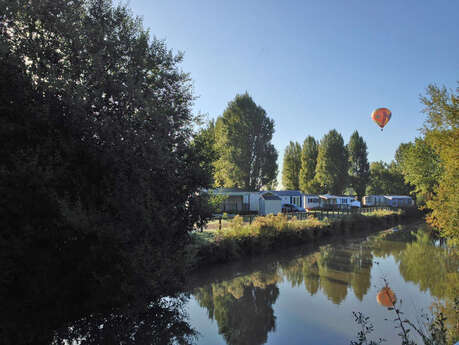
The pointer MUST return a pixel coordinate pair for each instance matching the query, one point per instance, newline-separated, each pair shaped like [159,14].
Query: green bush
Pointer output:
[272,231]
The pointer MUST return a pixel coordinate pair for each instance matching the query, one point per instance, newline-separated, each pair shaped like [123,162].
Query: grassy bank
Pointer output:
[275,231]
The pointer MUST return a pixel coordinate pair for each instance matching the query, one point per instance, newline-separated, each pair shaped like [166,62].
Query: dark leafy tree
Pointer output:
[308,165]
[359,168]
[204,143]
[332,164]
[291,167]
[246,157]
[97,172]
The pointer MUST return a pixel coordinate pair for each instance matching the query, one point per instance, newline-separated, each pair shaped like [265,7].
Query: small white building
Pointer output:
[269,204]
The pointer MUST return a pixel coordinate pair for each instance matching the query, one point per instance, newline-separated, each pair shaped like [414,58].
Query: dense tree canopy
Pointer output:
[246,157]
[308,165]
[420,166]
[332,164]
[441,131]
[386,179]
[204,143]
[291,167]
[98,174]
[359,168]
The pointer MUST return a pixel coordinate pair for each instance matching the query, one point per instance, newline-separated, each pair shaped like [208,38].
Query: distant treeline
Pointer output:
[238,151]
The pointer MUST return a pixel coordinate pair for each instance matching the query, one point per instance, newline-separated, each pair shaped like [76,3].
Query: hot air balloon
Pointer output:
[386,297]
[381,116]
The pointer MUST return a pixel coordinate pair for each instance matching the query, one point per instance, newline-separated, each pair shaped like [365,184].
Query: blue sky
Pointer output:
[315,65]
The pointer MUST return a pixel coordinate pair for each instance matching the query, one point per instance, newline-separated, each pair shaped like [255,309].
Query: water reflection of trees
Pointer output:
[141,323]
[435,268]
[242,307]
[431,265]
[333,270]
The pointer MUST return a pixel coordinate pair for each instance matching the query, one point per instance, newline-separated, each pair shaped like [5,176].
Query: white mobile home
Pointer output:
[294,197]
[311,201]
[374,200]
[237,200]
[388,200]
[328,201]
[399,201]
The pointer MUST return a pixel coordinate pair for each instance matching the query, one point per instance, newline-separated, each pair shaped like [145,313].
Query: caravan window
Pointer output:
[295,200]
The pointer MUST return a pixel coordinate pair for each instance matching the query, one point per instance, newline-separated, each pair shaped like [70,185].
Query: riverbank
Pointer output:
[270,233]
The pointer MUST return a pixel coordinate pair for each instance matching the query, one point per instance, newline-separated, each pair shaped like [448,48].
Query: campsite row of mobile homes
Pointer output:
[266,202]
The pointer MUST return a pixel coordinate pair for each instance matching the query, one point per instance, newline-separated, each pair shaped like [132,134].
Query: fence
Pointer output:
[319,214]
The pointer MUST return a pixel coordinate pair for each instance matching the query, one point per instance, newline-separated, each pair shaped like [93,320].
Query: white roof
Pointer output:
[328,196]
[390,197]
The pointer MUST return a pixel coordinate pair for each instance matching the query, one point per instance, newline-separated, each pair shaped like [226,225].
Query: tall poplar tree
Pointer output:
[291,167]
[246,157]
[332,164]
[308,165]
[359,168]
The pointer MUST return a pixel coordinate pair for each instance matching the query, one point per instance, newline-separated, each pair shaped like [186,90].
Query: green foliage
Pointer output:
[205,205]
[308,166]
[246,156]
[291,167]
[386,179]
[359,169]
[441,130]
[204,143]
[98,174]
[242,307]
[421,167]
[332,164]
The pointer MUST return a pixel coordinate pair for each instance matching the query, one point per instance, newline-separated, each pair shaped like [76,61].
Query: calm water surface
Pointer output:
[307,295]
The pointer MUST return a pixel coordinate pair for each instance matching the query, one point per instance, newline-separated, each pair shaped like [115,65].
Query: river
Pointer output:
[307,295]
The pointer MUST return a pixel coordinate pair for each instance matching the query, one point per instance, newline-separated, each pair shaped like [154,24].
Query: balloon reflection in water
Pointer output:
[386,297]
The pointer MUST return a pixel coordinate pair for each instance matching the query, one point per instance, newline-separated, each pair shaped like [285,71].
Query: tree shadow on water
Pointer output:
[141,323]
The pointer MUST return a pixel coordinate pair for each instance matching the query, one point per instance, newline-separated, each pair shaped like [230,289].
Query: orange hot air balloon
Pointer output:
[381,116]
[386,297]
